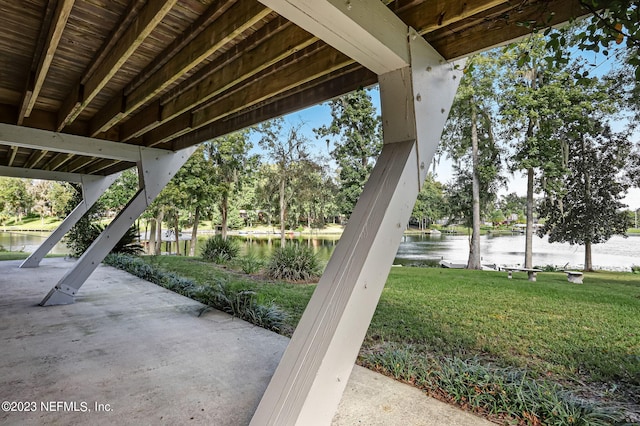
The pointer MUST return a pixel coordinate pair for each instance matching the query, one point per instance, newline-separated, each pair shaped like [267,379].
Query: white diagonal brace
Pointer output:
[155,171]
[25,137]
[307,386]
[365,30]
[92,188]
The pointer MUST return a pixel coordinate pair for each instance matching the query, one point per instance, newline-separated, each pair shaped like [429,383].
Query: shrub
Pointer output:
[251,264]
[635,269]
[507,394]
[80,241]
[218,250]
[547,268]
[240,303]
[293,263]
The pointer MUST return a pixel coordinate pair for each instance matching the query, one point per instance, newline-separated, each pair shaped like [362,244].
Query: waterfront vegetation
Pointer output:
[516,351]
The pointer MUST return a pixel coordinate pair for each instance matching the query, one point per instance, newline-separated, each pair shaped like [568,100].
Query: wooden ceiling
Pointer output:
[174,73]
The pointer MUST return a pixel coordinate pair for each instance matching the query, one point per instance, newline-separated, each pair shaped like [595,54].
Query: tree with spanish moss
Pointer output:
[469,139]
[286,146]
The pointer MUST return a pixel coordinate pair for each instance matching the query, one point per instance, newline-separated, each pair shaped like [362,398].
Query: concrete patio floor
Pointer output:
[130,352]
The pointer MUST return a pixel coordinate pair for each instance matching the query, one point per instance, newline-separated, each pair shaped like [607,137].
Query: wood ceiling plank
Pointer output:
[213,12]
[12,155]
[150,16]
[58,23]
[150,116]
[169,130]
[287,42]
[310,66]
[312,93]
[35,157]
[57,161]
[98,166]
[321,62]
[495,30]
[429,16]
[110,114]
[113,38]
[144,121]
[78,163]
[238,19]
[241,16]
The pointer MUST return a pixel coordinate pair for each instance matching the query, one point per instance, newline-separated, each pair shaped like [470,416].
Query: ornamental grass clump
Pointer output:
[510,395]
[218,294]
[219,250]
[293,263]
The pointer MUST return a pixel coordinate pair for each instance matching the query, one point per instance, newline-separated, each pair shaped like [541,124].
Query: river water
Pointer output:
[618,253]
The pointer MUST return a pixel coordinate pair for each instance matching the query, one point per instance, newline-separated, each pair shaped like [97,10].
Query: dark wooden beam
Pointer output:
[57,161]
[317,64]
[77,164]
[54,34]
[501,25]
[98,166]
[240,17]
[149,17]
[35,157]
[231,69]
[337,83]
[212,13]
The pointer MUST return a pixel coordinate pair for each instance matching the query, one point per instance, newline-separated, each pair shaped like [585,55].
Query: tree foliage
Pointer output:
[583,205]
[430,205]
[230,164]
[121,191]
[612,23]
[354,121]
[15,199]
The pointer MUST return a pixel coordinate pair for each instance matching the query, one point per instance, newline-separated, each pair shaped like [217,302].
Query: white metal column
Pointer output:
[92,188]
[155,169]
[310,379]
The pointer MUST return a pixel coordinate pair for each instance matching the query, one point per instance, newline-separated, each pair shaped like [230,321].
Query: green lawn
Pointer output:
[547,352]
[31,223]
[589,331]
[549,326]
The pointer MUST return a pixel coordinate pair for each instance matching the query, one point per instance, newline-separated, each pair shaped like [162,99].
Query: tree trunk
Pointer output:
[151,248]
[224,211]
[194,233]
[282,213]
[528,250]
[176,233]
[588,265]
[474,244]
[528,247]
[159,218]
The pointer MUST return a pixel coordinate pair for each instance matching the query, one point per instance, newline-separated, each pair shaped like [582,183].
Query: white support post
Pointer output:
[308,384]
[92,188]
[156,168]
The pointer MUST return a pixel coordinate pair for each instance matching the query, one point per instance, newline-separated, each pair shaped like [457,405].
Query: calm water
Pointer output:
[27,242]
[617,254]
